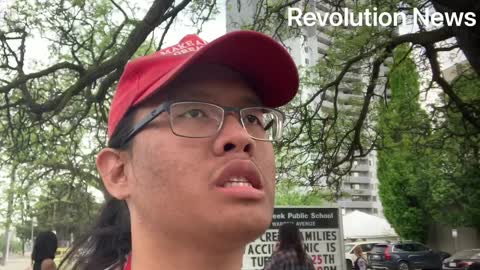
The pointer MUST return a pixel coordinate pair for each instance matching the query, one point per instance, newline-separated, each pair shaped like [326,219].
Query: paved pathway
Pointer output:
[16,263]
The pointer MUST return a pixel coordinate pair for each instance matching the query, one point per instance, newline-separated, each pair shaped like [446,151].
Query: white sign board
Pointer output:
[322,235]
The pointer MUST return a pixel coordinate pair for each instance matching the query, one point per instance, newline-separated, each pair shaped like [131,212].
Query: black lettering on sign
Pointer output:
[331,247]
[260,261]
[329,259]
[333,267]
[334,235]
[329,236]
[260,249]
[320,236]
[269,237]
[250,250]
[312,247]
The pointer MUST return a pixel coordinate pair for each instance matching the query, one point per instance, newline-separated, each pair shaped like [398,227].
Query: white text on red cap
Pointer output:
[184,47]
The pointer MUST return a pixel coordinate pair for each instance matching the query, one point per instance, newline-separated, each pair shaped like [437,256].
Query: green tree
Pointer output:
[455,192]
[402,165]
[428,171]
[293,193]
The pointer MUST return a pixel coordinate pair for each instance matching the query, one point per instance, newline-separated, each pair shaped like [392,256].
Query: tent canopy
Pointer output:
[357,224]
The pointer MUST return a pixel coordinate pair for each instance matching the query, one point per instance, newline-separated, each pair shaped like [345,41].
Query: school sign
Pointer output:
[322,235]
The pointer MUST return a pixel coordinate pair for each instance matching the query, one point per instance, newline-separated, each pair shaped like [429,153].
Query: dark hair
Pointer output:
[291,238]
[475,266]
[109,241]
[44,248]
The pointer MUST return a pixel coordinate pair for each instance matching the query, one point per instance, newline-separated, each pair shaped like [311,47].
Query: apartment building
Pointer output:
[307,50]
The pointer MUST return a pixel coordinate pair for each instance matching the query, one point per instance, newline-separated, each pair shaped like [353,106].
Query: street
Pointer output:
[16,262]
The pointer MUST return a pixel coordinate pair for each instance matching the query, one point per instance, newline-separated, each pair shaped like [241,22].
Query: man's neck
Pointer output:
[165,253]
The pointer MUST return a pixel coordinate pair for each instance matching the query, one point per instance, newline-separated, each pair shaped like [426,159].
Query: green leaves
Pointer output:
[427,176]
[293,193]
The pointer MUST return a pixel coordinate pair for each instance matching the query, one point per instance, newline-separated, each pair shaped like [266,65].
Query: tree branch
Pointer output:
[469,113]
[23,79]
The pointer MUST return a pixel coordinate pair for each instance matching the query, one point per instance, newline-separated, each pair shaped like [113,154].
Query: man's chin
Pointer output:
[245,229]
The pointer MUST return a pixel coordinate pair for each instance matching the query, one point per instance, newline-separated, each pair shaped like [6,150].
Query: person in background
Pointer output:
[290,253]
[360,262]
[44,250]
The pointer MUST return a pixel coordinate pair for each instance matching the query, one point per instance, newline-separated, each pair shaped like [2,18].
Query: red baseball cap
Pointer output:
[261,60]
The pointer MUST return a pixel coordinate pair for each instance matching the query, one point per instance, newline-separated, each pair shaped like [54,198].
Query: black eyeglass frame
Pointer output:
[165,107]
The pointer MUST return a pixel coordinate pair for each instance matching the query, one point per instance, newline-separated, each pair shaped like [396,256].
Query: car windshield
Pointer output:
[349,247]
[379,248]
[467,254]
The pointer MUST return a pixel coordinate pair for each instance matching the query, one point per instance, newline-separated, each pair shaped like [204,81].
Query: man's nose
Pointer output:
[233,137]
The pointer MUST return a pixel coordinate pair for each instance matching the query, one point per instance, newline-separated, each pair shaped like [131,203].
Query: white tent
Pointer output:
[359,225]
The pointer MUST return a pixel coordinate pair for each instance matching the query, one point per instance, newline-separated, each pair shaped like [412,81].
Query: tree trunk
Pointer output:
[8,223]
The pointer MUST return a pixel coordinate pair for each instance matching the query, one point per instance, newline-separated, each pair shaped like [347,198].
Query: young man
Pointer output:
[190,163]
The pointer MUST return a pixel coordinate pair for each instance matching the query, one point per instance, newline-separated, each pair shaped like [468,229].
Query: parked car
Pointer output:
[366,248]
[405,256]
[463,260]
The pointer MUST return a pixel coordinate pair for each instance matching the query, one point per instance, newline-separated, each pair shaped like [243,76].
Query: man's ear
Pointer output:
[111,166]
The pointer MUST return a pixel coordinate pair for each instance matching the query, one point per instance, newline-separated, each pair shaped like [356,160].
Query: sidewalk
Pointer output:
[16,263]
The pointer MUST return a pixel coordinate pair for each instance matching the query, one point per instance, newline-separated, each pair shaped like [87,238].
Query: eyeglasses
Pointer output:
[194,119]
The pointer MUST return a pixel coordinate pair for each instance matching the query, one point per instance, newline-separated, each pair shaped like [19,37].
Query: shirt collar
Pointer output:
[128,264]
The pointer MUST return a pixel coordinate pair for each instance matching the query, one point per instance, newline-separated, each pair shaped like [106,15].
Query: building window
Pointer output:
[306,61]
[306,49]
[324,40]
[374,198]
[360,198]
[323,7]
[375,210]
[321,51]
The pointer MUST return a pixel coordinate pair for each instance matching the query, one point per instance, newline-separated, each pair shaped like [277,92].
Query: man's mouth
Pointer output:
[237,182]
[240,179]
